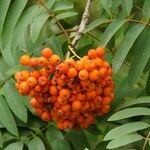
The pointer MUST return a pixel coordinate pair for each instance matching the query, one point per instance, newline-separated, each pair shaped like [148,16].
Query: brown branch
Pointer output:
[84,21]
[81,28]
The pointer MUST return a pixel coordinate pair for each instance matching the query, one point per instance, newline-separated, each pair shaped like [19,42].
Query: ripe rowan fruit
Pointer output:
[33,62]
[100,52]
[37,88]
[89,65]
[72,73]
[94,75]
[24,60]
[67,124]
[83,74]
[91,94]
[35,73]
[46,116]
[105,108]
[98,63]
[34,103]
[79,65]
[76,105]
[47,52]
[24,75]
[106,100]
[38,111]
[70,62]
[53,90]
[42,61]
[54,60]
[71,93]
[81,96]
[24,87]
[92,54]
[63,67]
[64,93]
[32,81]
[42,81]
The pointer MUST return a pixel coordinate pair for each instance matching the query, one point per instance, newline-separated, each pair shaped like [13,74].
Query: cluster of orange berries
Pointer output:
[72,93]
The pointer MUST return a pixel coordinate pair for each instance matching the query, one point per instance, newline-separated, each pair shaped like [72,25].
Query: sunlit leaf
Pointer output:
[111,30]
[124,140]
[36,144]
[126,129]
[15,146]
[130,112]
[125,46]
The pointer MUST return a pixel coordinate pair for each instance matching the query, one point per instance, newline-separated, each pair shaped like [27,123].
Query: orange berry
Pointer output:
[70,62]
[53,90]
[33,62]
[67,124]
[42,61]
[61,82]
[24,88]
[107,91]
[23,75]
[89,65]
[98,62]
[66,108]
[46,116]
[76,105]
[24,60]
[37,88]
[44,72]
[94,75]
[105,108]
[79,65]
[61,100]
[54,60]
[106,100]
[50,69]
[100,51]
[64,93]
[63,67]
[92,54]
[39,111]
[35,73]
[32,93]
[59,112]
[110,71]
[91,94]
[98,100]
[99,91]
[42,80]
[72,73]
[60,124]
[83,74]
[81,96]
[85,107]
[17,76]
[32,81]
[85,83]
[106,64]
[34,103]
[47,52]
